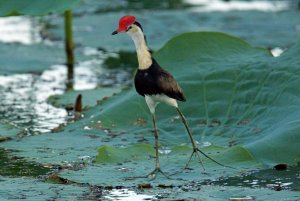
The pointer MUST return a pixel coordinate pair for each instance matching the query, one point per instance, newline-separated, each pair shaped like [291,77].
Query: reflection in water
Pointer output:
[24,97]
[125,194]
[19,29]
[23,101]
[277,51]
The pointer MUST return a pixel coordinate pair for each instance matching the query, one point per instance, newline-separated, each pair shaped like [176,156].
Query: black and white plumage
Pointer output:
[155,83]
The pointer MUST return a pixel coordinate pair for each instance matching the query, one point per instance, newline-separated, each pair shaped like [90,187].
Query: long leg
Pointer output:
[196,149]
[157,164]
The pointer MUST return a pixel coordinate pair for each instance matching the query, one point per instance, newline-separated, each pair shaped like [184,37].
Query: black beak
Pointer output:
[114,33]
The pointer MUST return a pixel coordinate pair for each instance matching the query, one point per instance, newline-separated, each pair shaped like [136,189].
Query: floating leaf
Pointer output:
[33,189]
[138,152]
[89,97]
[245,96]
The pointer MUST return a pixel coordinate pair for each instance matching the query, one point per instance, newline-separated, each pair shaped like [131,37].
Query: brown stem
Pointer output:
[69,47]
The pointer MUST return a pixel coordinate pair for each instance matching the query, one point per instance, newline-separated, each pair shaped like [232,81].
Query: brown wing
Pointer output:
[168,85]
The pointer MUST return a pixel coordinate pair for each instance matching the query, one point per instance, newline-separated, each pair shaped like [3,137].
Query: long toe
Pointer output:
[196,152]
[196,155]
[152,175]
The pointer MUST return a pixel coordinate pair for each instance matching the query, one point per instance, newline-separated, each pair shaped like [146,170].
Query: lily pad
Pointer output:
[11,165]
[90,97]
[33,189]
[239,92]
[107,154]
[140,152]
[138,160]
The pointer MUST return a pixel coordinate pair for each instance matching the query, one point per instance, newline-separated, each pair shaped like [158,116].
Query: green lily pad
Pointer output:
[11,165]
[234,93]
[74,144]
[139,160]
[107,154]
[34,189]
[140,152]
[89,97]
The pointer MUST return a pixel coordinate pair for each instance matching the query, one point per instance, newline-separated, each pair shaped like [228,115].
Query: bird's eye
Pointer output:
[129,28]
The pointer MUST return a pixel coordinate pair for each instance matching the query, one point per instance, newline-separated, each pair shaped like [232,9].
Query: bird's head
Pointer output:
[128,24]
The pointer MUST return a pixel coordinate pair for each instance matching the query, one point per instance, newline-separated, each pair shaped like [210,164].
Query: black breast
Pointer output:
[155,80]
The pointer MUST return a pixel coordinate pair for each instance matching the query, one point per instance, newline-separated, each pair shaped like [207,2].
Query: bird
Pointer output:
[156,85]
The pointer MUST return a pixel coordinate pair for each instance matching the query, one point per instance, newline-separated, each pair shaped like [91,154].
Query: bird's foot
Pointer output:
[186,167]
[196,155]
[152,175]
[196,152]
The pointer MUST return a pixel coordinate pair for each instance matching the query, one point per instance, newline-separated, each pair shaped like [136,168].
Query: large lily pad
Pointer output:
[234,91]
[138,160]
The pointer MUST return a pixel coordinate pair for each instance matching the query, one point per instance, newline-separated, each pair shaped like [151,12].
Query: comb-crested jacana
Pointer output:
[155,84]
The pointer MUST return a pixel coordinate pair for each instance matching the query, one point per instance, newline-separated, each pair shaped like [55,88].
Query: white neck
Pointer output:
[143,54]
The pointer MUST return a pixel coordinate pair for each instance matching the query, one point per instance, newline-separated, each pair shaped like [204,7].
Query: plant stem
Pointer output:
[69,47]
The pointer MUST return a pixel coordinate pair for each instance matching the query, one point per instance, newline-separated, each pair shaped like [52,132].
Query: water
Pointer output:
[19,29]
[24,103]
[24,96]
[125,194]
[269,178]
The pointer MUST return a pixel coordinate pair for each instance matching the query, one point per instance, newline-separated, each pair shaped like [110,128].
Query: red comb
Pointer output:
[125,21]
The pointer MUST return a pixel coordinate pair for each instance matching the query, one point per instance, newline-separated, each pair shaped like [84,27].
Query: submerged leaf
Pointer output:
[178,154]
[139,152]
